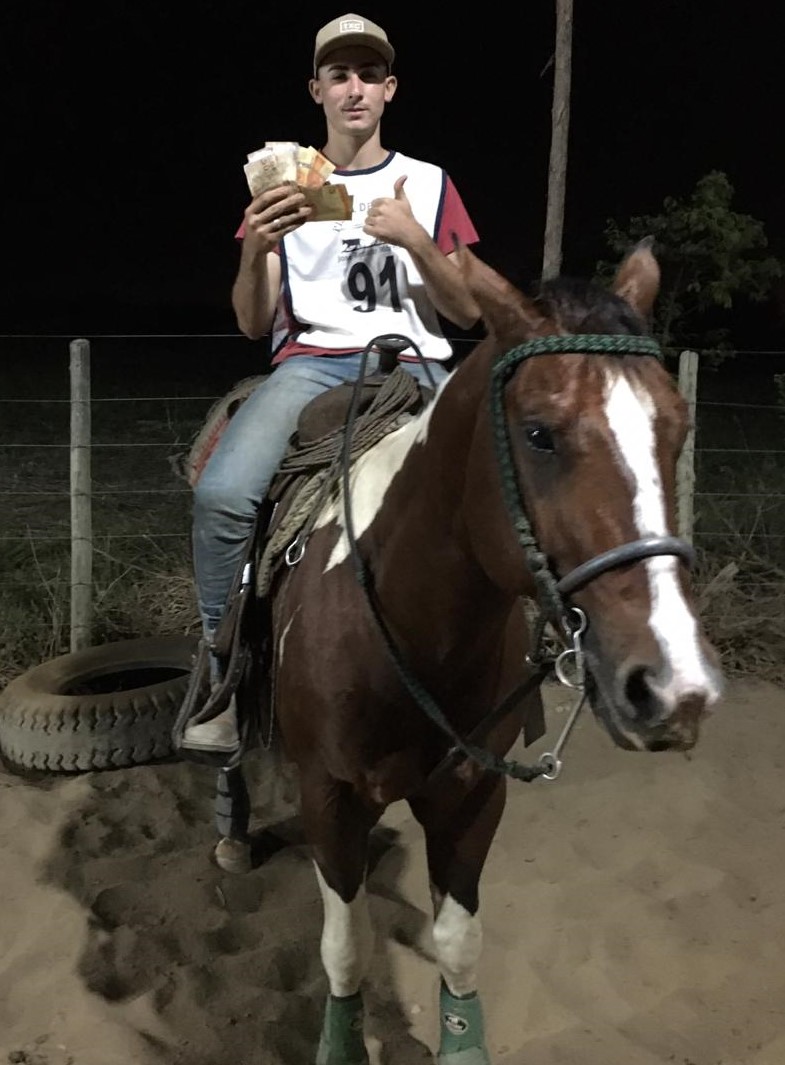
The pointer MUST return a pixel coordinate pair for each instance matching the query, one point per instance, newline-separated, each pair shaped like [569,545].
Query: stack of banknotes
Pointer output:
[282,162]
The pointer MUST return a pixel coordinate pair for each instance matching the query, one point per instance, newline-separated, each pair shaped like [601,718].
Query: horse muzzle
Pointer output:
[644,715]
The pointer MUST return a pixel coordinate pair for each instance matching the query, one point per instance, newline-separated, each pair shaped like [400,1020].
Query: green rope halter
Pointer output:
[581,344]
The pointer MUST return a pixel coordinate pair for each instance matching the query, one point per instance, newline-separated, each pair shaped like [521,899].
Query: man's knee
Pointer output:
[217,500]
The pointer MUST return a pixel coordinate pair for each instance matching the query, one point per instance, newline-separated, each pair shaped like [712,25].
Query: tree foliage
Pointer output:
[710,255]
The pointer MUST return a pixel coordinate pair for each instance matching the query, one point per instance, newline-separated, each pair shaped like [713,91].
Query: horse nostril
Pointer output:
[640,696]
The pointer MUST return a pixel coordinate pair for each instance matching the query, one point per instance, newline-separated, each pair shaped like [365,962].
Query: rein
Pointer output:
[365,578]
[551,592]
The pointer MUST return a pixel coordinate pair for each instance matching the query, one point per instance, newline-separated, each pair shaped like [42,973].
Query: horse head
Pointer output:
[594,425]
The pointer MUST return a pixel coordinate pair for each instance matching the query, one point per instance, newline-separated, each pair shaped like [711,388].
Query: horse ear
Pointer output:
[638,278]
[504,308]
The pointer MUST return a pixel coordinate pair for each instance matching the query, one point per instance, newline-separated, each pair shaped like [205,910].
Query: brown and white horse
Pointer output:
[545,469]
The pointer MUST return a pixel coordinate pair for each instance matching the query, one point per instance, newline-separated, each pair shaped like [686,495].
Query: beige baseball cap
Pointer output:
[351,29]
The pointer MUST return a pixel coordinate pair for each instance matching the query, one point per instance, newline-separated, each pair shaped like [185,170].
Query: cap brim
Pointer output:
[386,51]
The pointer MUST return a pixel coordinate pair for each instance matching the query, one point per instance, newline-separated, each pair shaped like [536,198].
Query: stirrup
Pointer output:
[200,706]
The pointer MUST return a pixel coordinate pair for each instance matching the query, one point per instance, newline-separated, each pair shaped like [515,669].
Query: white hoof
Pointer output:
[233,856]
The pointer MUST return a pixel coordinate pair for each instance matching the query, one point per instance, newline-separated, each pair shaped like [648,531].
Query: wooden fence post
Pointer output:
[685,470]
[560,128]
[81,498]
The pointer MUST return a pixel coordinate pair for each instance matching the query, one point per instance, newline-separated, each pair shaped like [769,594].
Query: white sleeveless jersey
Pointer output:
[341,287]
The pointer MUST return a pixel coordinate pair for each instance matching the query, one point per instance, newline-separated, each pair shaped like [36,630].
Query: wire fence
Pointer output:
[150,395]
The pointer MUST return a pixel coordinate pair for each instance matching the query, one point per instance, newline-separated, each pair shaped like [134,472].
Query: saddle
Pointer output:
[308,472]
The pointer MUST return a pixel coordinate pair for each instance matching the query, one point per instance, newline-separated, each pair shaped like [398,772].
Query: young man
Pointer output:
[323,290]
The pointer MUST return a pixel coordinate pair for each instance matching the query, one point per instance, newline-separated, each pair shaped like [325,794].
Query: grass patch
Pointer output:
[142,592]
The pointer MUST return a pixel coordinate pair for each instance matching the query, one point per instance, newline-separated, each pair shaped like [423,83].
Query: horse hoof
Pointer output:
[233,855]
[472,1056]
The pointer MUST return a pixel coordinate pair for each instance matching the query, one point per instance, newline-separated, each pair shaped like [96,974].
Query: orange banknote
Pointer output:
[331,203]
[280,162]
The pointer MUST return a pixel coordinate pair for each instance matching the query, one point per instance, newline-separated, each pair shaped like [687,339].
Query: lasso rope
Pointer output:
[320,462]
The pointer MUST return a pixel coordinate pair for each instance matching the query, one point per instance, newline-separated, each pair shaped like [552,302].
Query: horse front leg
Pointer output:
[232,815]
[337,826]
[459,827]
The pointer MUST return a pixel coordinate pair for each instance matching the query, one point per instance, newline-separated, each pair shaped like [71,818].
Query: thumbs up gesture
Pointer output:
[399,193]
[390,218]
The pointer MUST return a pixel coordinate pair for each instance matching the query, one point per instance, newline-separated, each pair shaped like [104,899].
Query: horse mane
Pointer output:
[580,306]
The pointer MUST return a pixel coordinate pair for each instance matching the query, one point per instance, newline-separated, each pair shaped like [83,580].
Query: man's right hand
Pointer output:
[272,214]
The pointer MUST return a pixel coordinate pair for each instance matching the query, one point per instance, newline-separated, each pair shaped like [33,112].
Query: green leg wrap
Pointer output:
[341,1041]
[462,1039]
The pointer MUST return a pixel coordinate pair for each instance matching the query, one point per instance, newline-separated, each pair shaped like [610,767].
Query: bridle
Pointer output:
[553,593]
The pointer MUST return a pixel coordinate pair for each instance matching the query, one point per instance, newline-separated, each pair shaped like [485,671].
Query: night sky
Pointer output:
[126,126]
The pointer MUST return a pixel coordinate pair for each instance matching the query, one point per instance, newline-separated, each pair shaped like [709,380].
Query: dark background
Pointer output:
[126,126]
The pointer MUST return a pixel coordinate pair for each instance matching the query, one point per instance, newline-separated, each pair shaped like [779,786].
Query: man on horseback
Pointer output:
[322,291]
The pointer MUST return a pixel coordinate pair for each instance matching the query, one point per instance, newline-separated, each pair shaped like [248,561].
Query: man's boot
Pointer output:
[219,735]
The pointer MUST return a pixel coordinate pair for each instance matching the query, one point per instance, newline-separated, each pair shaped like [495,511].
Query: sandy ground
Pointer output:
[633,909]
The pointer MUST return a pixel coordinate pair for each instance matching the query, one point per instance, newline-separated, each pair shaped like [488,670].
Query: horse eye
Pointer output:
[539,438]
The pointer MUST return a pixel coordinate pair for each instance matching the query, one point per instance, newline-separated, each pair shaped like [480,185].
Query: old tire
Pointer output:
[101,708]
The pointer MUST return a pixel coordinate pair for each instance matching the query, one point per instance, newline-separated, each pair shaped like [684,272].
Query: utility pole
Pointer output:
[560,128]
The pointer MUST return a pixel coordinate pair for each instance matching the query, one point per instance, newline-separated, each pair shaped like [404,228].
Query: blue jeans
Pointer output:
[238,473]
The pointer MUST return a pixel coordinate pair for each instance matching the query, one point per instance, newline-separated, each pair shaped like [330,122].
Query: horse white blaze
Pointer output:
[371,476]
[457,941]
[630,413]
[347,939]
